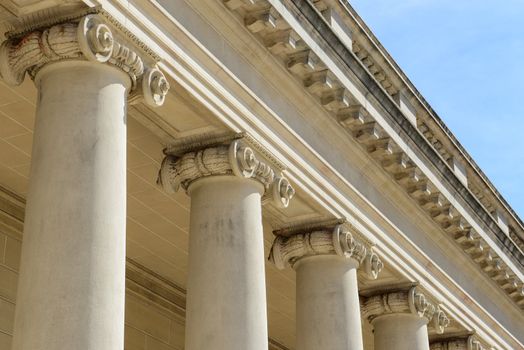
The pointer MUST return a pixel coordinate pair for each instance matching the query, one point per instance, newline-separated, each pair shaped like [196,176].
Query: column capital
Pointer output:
[406,301]
[468,342]
[235,155]
[82,37]
[324,240]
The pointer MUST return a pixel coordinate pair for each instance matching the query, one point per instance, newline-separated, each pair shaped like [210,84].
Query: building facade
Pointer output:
[237,174]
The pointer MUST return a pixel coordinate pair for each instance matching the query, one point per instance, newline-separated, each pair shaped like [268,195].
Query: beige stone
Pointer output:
[5,341]
[154,344]
[7,315]
[176,338]
[327,112]
[12,253]
[8,283]
[134,339]
[145,317]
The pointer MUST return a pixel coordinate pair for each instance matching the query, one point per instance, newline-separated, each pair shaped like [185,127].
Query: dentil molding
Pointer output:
[410,301]
[287,250]
[87,38]
[230,155]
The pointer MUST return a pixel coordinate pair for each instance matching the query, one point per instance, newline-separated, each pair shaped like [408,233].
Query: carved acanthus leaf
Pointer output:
[388,303]
[36,49]
[90,39]
[286,251]
[236,159]
[458,343]
[181,172]
[410,301]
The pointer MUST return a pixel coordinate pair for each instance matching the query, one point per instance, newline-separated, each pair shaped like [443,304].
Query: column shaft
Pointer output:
[226,295]
[400,331]
[72,277]
[328,311]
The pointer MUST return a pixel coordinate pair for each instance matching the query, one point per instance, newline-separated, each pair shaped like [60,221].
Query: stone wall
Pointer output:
[150,327]
[10,245]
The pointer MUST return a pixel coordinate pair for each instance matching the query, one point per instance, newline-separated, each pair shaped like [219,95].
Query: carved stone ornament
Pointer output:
[372,265]
[457,343]
[286,251]
[235,159]
[440,321]
[89,39]
[281,192]
[410,301]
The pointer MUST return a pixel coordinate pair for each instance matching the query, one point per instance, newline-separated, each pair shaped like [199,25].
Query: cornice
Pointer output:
[369,50]
[264,20]
[230,155]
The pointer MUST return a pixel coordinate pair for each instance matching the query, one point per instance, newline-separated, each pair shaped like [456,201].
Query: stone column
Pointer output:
[400,318]
[468,342]
[72,275]
[226,293]
[326,261]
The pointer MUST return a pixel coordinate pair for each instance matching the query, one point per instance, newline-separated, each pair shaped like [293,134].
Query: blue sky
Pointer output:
[467,58]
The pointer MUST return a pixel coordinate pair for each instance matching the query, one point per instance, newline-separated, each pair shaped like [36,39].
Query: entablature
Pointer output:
[386,140]
[382,66]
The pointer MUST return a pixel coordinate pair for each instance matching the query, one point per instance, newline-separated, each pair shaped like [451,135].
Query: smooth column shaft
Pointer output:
[328,309]
[72,276]
[400,332]
[226,294]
